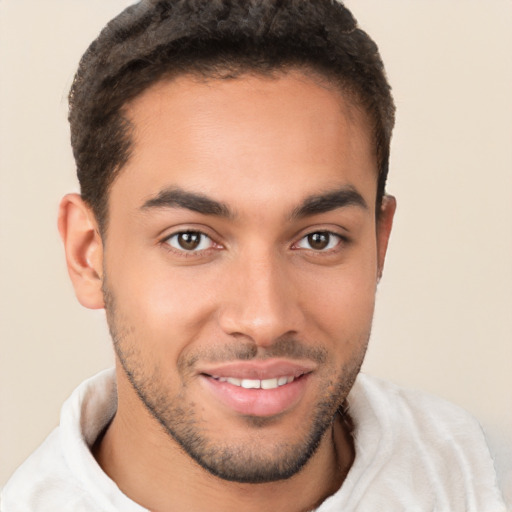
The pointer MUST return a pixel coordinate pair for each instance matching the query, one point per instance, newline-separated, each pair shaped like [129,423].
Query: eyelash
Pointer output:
[325,233]
[198,251]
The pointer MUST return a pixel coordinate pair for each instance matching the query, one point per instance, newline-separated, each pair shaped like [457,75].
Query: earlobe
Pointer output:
[84,250]
[384,225]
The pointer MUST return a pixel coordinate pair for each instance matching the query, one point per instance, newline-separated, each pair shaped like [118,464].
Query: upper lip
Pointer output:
[260,370]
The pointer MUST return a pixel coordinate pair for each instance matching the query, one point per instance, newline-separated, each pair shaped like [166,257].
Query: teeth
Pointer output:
[269,384]
[255,383]
[251,384]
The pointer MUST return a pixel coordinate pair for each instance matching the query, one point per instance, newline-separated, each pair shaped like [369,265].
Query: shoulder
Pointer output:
[44,481]
[62,474]
[390,404]
[414,421]
[415,451]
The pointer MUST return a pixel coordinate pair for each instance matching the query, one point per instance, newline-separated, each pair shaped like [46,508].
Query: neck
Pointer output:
[151,469]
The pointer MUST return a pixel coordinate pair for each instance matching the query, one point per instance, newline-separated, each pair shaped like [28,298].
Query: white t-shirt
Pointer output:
[414,452]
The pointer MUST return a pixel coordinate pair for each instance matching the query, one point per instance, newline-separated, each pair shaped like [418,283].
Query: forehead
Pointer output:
[264,134]
[276,99]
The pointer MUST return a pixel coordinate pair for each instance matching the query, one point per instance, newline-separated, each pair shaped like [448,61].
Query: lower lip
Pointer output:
[257,402]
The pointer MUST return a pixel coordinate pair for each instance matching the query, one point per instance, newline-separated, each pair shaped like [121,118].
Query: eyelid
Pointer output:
[164,241]
[203,237]
[341,239]
[186,227]
[332,242]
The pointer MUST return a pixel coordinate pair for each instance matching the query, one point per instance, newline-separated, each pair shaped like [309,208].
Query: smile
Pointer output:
[256,383]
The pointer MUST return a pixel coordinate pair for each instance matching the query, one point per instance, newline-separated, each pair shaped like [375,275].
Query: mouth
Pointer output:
[257,388]
[273,383]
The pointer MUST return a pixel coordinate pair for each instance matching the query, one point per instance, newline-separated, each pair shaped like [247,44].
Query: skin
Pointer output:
[278,159]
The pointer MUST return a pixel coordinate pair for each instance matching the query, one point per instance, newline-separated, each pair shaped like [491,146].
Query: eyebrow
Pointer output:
[332,200]
[312,205]
[179,198]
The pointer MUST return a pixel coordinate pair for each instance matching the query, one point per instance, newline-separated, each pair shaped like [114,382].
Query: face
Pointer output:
[240,266]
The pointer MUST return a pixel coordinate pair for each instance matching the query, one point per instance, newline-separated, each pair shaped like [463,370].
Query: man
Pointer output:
[233,223]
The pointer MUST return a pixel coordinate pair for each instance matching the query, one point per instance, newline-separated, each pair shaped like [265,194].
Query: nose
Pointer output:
[261,301]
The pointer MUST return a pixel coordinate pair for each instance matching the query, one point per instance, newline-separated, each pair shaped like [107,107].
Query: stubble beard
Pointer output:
[235,460]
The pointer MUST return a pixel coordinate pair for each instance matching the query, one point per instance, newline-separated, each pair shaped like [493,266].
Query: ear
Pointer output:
[84,250]
[384,225]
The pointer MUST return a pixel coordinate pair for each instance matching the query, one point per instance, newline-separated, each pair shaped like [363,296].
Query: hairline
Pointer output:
[309,71]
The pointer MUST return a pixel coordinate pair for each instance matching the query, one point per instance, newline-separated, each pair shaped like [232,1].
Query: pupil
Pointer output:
[189,241]
[318,240]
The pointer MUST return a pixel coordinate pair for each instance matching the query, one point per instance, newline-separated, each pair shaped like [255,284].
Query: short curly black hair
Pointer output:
[156,39]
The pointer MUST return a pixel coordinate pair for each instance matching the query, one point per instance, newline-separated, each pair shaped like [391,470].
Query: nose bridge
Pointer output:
[262,301]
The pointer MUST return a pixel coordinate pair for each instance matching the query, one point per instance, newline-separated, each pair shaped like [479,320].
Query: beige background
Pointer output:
[444,314]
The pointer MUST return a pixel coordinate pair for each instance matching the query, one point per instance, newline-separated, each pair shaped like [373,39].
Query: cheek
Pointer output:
[341,300]
[165,306]
[344,301]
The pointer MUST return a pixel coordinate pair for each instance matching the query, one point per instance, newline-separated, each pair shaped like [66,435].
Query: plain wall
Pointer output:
[444,307]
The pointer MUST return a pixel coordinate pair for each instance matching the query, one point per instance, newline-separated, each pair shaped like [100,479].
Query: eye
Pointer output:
[319,241]
[190,241]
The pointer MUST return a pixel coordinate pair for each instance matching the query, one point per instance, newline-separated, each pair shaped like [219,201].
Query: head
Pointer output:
[232,157]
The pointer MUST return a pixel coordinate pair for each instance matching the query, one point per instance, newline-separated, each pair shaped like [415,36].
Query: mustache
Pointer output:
[288,347]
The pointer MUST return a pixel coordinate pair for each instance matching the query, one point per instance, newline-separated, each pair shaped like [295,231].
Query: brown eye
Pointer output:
[319,241]
[189,241]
